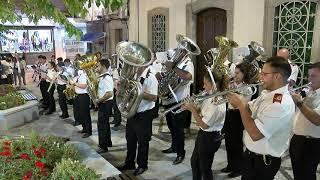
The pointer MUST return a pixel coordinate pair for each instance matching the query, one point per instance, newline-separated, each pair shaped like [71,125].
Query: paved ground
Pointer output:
[160,165]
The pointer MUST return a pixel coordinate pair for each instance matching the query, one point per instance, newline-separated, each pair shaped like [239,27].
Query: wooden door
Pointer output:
[210,23]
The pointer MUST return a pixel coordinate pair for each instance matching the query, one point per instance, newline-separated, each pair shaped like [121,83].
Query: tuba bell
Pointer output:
[169,78]
[129,95]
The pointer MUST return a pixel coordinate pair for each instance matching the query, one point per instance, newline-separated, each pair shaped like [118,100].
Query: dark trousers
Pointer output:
[104,134]
[81,110]
[4,81]
[305,157]
[43,89]
[233,129]
[117,114]
[254,166]
[176,124]
[49,96]
[62,99]
[203,154]
[138,132]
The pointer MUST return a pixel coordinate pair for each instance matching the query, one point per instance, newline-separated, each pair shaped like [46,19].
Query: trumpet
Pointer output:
[300,87]
[197,99]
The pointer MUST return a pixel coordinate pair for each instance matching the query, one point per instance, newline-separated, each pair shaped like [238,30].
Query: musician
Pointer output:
[294,68]
[210,118]
[51,77]
[305,143]
[233,127]
[105,103]
[267,121]
[176,122]
[43,69]
[139,127]
[81,104]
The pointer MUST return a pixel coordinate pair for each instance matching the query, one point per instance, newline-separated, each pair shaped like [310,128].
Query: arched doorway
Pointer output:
[210,23]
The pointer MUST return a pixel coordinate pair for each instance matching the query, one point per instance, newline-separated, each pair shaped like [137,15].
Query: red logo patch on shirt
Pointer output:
[277,98]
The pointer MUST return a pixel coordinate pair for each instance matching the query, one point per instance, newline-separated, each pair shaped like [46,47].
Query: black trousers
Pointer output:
[49,96]
[233,129]
[104,134]
[138,132]
[206,145]
[305,157]
[62,99]
[81,111]
[117,114]
[254,166]
[176,124]
[43,89]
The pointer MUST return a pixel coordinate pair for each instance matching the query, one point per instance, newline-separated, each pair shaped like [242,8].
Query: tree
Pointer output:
[13,10]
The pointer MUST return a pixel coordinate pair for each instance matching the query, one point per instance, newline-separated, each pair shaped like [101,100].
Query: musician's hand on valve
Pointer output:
[158,76]
[71,82]
[169,65]
[296,97]
[236,100]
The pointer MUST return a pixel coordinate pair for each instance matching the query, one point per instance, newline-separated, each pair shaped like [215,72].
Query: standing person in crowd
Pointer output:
[139,127]
[209,118]
[16,71]
[267,121]
[23,68]
[51,79]
[292,80]
[81,104]
[43,69]
[5,68]
[233,127]
[61,86]
[176,122]
[60,62]
[305,143]
[105,103]
[53,58]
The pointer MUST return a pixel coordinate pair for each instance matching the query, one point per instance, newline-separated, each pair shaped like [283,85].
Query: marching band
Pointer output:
[257,128]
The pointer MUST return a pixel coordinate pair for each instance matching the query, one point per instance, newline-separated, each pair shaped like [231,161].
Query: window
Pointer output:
[293,29]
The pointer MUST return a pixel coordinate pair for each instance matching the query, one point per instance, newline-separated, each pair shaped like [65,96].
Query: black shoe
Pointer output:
[168,151]
[76,124]
[81,131]
[126,167]
[234,174]
[109,144]
[101,151]
[64,116]
[226,170]
[178,160]
[139,171]
[85,135]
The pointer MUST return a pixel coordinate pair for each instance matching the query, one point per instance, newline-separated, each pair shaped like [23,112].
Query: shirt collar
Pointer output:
[104,74]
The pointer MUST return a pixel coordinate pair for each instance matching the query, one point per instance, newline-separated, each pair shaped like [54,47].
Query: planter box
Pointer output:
[95,161]
[19,115]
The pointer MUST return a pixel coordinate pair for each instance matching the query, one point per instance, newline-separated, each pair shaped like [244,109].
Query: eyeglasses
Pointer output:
[264,74]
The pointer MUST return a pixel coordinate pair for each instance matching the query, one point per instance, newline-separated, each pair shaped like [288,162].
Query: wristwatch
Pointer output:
[299,104]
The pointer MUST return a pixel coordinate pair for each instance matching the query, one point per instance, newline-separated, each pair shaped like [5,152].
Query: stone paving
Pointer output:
[160,165]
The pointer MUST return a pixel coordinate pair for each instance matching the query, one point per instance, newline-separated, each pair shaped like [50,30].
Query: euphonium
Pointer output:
[70,92]
[130,92]
[169,78]
[197,99]
[88,63]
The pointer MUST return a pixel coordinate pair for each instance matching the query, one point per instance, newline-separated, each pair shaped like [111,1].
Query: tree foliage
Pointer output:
[13,10]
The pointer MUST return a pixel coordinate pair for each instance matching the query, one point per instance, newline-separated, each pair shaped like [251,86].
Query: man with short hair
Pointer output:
[292,80]
[305,143]
[267,121]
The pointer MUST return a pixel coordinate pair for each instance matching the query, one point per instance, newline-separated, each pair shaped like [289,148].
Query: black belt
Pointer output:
[233,110]
[307,137]
[257,154]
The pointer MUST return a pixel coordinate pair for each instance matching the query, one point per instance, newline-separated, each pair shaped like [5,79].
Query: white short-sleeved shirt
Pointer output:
[81,79]
[43,70]
[105,85]
[150,86]
[273,114]
[183,91]
[294,72]
[51,74]
[302,126]
[213,115]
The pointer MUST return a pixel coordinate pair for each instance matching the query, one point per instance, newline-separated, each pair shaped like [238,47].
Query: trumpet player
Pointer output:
[233,128]
[209,118]
[105,103]
[267,121]
[305,143]
[139,127]
[50,84]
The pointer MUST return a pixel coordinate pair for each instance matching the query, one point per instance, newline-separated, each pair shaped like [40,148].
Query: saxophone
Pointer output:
[130,91]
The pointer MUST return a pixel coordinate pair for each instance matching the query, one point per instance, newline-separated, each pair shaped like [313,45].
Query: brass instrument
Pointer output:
[70,92]
[130,92]
[197,99]
[170,80]
[88,63]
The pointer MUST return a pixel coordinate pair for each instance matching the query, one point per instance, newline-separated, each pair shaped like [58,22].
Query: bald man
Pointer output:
[294,68]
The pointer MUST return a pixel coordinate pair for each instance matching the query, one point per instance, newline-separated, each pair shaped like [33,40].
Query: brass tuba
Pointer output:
[169,78]
[130,92]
